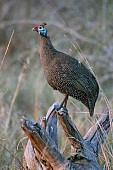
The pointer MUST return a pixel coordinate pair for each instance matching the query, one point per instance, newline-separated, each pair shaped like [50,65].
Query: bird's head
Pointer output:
[41,29]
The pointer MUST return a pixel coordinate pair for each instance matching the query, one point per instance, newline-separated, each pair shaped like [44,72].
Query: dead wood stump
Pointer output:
[42,151]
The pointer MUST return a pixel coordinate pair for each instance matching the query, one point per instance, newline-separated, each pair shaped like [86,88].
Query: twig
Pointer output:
[13,156]
[6,50]
[27,66]
[104,10]
[14,97]
[20,142]
[4,94]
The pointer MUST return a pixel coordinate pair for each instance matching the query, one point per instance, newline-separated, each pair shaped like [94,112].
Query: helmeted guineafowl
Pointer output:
[66,74]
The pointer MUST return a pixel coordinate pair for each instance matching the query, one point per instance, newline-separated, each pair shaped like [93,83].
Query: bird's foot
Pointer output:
[53,109]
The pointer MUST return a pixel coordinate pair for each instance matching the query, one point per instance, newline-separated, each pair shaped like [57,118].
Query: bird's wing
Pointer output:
[78,74]
[76,80]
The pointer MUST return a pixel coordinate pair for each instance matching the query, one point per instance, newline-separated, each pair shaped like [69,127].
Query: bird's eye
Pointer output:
[40,27]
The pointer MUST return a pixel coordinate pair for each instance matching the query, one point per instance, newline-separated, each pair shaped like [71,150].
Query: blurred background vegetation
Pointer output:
[23,87]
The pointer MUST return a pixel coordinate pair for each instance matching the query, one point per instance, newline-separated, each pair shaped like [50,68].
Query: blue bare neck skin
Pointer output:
[43,32]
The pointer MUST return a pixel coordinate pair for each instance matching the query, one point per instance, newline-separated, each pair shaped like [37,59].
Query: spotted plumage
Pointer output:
[66,74]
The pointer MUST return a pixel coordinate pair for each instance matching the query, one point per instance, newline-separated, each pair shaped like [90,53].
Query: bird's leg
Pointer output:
[66,99]
[64,102]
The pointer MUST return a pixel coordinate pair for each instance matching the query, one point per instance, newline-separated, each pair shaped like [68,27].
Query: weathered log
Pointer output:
[42,149]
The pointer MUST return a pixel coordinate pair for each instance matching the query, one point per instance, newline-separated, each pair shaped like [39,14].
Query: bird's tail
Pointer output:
[91,103]
[91,111]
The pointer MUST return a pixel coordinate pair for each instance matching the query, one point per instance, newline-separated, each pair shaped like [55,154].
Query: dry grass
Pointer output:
[75,29]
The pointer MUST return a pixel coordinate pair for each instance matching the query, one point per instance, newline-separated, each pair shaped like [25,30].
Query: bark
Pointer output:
[42,151]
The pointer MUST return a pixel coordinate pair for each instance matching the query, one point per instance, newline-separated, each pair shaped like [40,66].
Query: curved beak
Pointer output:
[33,29]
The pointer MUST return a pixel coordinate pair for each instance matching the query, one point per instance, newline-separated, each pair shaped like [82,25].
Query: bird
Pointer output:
[65,73]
